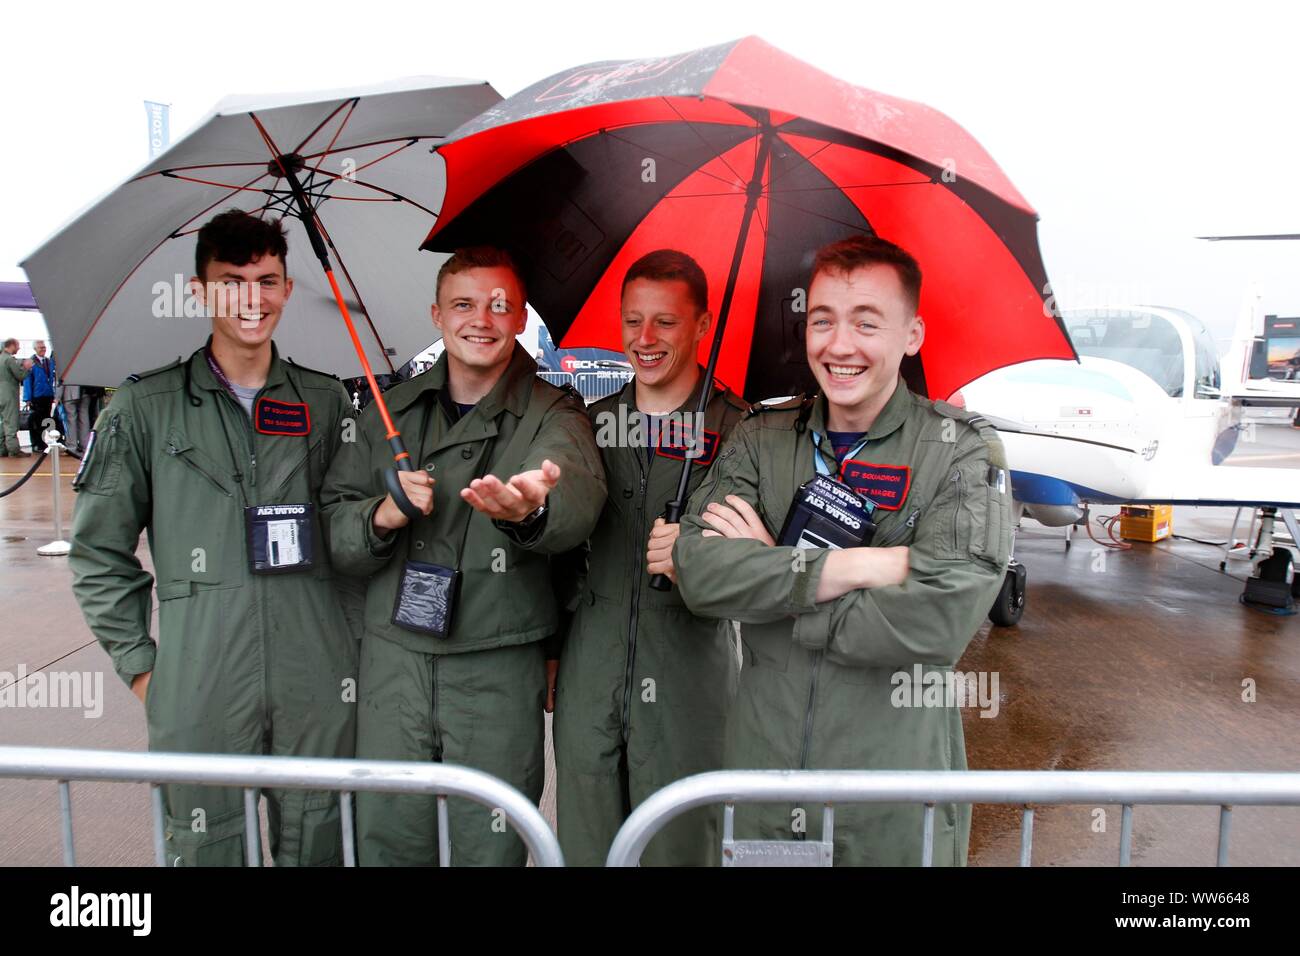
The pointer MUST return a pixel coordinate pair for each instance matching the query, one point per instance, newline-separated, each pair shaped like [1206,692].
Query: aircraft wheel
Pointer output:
[1010,604]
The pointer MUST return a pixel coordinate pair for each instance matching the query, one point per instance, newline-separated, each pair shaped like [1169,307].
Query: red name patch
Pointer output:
[886,485]
[281,418]
[675,441]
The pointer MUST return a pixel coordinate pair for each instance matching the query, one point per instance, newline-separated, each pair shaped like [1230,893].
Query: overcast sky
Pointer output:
[1131,127]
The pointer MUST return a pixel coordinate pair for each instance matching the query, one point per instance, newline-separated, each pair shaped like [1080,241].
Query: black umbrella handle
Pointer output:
[394,486]
[672,515]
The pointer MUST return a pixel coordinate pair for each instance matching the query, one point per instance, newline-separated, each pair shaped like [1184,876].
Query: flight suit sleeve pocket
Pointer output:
[101,467]
[979,526]
[994,546]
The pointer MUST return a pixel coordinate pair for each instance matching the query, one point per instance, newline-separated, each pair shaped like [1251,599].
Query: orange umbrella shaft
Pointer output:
[365,363]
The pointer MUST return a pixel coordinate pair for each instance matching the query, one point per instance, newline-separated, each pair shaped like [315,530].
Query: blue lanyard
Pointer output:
[820,462]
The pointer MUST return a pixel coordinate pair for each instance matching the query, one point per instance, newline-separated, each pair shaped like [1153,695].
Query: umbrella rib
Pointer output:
[172,169]
[396,197]
[736,189]
[208,182]
[409,143]
[691,126]
[802,159]
[818,215]
[813,189]
[406,140]
[351,102]
[335,138]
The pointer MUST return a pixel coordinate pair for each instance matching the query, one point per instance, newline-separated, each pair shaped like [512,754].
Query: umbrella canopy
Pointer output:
[109,281]
[749,160]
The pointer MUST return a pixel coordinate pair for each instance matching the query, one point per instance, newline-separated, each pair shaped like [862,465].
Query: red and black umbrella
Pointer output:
[749,160]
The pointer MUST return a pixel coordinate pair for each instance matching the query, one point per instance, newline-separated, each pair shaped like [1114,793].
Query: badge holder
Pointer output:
[281,538]
[427,593]
[426,598]
[827,513]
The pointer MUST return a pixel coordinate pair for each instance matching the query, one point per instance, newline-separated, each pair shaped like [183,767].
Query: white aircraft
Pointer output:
[1145,417]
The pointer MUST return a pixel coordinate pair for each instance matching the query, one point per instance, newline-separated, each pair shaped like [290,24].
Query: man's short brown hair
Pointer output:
[238,237]
[665,265]
[480,257]
[855,252]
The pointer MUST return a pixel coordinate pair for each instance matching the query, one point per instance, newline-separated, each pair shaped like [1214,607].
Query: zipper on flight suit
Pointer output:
[956,478]
[251,440]
[189,461]
[636,596]
[435,734]
[818,656]
[899,530]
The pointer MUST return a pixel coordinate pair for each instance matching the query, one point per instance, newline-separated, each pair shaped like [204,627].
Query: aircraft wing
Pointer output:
[1229,486]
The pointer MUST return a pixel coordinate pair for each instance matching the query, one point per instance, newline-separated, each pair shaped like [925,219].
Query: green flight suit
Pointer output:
[245,663]
[819,684]
[475,697]
[11,375]
[644,685]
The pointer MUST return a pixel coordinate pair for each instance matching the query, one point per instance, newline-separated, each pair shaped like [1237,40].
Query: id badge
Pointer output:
[426,598]
[281,538]
[827,513]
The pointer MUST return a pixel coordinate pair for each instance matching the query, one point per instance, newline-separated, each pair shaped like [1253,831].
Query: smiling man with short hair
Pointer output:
[459,600]
[644,685]
[831,618]
[220,458]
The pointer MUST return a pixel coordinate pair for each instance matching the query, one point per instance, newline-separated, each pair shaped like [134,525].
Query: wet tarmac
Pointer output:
[1124,660]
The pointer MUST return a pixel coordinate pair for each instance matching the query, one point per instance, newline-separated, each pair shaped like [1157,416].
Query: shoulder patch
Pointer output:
[314,371]
[787,405]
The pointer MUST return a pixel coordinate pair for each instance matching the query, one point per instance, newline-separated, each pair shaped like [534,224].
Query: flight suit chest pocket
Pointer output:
[197,519]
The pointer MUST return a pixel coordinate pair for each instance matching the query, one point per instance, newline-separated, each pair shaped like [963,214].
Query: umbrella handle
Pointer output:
[672,515]
[394,486]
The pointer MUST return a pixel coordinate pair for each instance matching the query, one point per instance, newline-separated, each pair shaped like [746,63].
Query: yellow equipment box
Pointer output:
[1152,523]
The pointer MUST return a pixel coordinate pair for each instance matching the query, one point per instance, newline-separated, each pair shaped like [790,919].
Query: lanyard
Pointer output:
[820,462]
[219,374]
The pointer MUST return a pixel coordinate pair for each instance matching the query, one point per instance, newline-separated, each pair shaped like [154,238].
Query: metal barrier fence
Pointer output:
[597,385]
[929,787]
[297,773]
[555,378]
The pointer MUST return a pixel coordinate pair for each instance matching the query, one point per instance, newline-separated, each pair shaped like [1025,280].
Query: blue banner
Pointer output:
[159,132]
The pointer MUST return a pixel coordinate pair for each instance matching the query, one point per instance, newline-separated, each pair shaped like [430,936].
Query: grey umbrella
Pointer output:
[109,283]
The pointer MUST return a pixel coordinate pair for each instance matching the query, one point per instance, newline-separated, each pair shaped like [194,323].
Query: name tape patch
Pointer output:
[886,485]
[272,417]
[678,442]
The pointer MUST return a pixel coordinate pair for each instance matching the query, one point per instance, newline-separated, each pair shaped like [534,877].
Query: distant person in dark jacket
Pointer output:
[38,389]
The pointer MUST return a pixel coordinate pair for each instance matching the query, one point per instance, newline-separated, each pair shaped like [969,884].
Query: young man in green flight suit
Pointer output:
[473,694]
[830,634]
[215,456]
[644,685]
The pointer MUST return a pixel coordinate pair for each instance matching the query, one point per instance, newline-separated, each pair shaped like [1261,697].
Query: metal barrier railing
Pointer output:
[1026,788]
[555,378]
[253,773]
[597,385]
